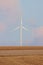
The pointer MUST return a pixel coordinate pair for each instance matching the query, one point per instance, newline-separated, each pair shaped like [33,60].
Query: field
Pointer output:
[21,55]
[22,60]
[21,47]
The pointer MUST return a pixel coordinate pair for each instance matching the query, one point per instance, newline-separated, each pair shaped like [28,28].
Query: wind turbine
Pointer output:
[21,27]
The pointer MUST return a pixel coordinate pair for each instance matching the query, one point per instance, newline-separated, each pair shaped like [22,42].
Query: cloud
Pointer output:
[12,9]
[38,35]
[2,27]
[9,3]
[39,31]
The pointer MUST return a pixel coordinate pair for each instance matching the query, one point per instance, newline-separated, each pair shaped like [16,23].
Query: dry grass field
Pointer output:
[29,59]
[22,60]
[21,47]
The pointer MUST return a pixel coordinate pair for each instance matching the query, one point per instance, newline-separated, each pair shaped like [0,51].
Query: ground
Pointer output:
[22,60]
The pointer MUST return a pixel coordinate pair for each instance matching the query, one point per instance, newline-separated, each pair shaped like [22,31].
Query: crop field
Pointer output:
[22,60]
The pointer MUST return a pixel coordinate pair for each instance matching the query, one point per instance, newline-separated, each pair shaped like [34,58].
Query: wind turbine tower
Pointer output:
[21,27]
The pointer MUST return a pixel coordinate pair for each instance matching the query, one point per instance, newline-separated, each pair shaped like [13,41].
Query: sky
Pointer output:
[31,12]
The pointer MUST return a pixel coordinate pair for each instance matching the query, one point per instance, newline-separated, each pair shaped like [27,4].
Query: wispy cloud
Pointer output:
[39,31]
[9,3]
[12,9]
[38,35]
[2,27]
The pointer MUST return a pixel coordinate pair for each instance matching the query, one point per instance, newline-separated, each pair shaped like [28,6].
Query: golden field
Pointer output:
[22,60]
[21,47]
[32,55]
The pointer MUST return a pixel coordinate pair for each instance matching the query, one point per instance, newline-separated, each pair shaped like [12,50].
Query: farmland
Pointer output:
[21,55]
[21,47]
[22,60]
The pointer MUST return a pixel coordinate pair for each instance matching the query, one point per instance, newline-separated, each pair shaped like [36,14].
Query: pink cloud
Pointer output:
[9,3]
[2,27]
[13,6]
[39,32]
[38,35]
[12,9]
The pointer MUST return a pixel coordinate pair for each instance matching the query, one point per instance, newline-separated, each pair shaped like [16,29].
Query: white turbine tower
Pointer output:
[21,27]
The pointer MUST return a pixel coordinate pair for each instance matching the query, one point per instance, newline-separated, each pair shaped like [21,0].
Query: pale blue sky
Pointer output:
[32,16]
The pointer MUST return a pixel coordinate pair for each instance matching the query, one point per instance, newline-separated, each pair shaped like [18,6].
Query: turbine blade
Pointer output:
[25,28]
[15,29]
